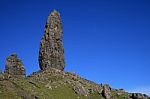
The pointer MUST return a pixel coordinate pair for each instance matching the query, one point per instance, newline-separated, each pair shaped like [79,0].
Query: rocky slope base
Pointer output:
[57,84]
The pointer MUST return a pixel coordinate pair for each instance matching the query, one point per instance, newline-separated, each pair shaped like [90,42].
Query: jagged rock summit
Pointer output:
[14,67]
[51,53]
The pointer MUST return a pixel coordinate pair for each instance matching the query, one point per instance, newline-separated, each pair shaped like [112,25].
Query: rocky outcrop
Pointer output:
[55,78]
[14,67]
[51,53]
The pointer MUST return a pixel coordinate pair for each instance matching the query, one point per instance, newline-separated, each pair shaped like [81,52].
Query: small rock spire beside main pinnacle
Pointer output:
[14,67]
[51,53]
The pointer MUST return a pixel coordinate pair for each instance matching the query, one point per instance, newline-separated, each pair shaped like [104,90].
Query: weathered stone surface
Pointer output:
[14,67]
[106,92]
[51,53]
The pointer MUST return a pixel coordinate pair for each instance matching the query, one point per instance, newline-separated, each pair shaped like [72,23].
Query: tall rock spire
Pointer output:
[51,53]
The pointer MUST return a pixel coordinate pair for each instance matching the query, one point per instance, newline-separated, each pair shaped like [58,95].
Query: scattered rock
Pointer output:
[14,67]
[1,76]
[139,96]
[51,53]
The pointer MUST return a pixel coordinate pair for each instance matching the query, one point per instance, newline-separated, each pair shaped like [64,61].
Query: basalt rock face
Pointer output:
[51,53]
[14,67]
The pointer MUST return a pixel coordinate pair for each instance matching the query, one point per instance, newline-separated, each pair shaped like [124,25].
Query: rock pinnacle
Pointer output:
[51,52]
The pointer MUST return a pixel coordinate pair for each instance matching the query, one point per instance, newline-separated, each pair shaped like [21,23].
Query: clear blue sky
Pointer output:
[106,41]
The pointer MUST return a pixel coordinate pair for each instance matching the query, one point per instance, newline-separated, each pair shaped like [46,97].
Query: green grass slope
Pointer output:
[55,84]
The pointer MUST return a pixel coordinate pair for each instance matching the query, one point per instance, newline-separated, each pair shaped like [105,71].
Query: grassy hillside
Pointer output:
[55,84]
